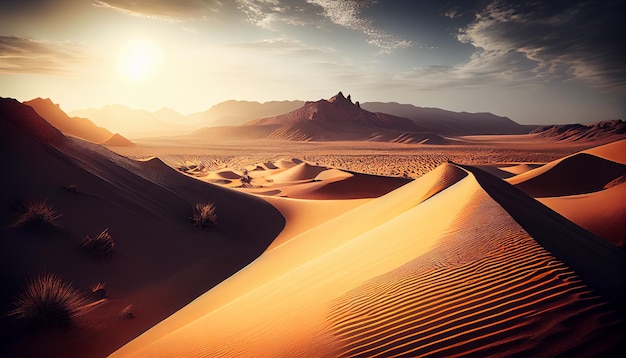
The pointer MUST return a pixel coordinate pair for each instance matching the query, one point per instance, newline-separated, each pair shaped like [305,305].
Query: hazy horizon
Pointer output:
[539,63]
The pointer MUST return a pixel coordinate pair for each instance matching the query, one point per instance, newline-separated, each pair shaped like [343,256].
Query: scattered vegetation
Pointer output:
[99,246]
[98,291]
[72,188]
[47,299]
[246,180]
[127,312]
[204,215]
[38,215]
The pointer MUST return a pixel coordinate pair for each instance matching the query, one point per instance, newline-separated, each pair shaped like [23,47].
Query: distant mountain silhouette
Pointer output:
[27,121]
[170,116]
[579,132]
[130,122]
[451,123]
[234,113]
[335,119]
[74,126]
[118,141]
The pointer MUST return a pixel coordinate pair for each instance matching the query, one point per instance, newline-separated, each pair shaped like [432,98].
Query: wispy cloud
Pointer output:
[345,13]
[268,13]
[282,46]
[21,55]
[178,10]
[551,44]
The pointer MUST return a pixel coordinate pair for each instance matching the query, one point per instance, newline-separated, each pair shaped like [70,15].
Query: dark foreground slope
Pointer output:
[161,261]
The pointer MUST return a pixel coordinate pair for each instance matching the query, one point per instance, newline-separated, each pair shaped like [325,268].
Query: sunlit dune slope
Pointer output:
[449,264]
[586,188]
[602,213]
[579,173]
[615,151]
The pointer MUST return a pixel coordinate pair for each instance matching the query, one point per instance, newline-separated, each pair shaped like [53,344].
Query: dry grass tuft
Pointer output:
[204,215]
[72,188]
[38,215]
[99,246]
[127,312]
[98,291]
[47,299]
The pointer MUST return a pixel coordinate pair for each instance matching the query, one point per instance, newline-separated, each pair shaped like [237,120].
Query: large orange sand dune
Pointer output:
[456,263]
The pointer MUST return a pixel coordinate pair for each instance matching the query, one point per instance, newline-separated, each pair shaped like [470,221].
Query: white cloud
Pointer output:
[520,42]
[345,13]
[178,10]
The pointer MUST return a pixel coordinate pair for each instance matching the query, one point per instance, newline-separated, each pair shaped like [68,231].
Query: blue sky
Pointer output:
[535,62]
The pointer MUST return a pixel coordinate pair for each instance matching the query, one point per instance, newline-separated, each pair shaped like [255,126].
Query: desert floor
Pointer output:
[366,249]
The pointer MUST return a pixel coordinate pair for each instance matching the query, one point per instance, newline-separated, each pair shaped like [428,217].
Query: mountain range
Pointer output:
[74,126]
[335,119]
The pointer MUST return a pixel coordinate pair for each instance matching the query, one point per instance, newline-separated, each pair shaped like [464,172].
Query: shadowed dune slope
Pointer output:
[161,261]
[445,265]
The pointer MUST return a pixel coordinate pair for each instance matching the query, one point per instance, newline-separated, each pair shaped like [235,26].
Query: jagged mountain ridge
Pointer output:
[335,119]
[74,126]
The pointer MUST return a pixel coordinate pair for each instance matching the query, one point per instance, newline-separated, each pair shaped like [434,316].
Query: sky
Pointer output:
[535,62]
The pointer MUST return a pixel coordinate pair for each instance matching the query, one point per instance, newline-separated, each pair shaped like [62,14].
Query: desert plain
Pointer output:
[393,243]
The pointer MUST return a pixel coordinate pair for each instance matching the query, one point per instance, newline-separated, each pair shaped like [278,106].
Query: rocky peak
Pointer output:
[340,99]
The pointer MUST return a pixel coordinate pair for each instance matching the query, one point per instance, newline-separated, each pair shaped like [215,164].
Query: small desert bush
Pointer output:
[100,246]
[72,188]
[204,215]
[98,291]
[47,299]
[38,215]
[127,312]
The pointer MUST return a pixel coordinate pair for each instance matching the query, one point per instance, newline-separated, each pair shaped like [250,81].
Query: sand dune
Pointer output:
[615,151]
[295,178]
[606,131]
[455,263]
[302,171]
[576,174]
[449,264]
[519,168]
[161,261]
[602,213]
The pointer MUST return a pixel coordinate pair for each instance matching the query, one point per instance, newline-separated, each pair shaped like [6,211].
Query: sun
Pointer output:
[139,60]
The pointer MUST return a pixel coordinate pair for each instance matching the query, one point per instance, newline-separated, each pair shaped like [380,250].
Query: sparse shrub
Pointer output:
[127,312]
[47,299]
[72,188]
[38,215]
[98,291]
[204,215]
[101,245]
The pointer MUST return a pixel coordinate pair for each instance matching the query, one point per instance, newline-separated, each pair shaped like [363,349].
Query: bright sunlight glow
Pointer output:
[139,60]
